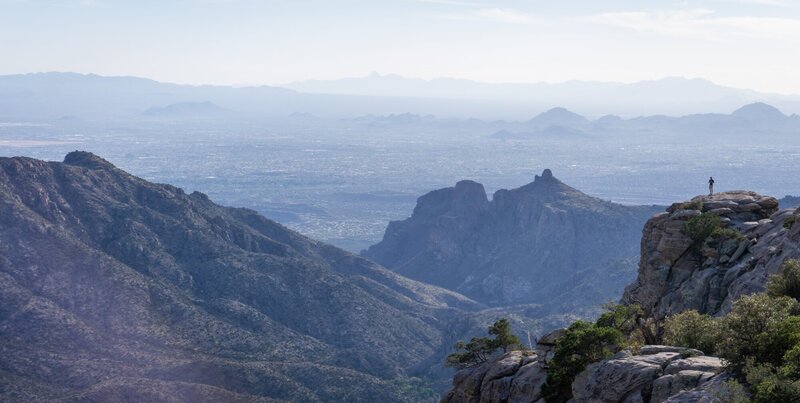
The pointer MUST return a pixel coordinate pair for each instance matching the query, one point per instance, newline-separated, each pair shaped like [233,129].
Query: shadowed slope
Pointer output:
[113,285]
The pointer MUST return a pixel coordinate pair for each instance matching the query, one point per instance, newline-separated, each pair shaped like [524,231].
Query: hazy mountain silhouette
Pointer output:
[644,97]
[544,243]
[51,95]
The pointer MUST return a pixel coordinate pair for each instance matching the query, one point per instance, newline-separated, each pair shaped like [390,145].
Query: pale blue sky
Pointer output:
[743,43]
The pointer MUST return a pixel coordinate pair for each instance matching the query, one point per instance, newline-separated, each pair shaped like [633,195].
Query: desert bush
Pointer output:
[787,283]
[720,234]
[692,329]
[731,391]
[789,221]
[768,386]
[700,227]
[691,205]
[758,327]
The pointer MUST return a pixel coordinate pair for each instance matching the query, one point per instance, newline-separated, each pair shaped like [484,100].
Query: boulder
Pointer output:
[620,380]
[703,363]
[467,385]
[669,385]
[714,390]
[527,384]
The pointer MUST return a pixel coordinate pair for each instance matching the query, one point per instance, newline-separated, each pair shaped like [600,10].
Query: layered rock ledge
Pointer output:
[655,374]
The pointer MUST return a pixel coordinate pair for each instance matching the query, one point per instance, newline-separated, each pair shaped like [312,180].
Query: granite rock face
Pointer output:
[657,374]
[512,377]
[113,287]
[674,277]
[543,243]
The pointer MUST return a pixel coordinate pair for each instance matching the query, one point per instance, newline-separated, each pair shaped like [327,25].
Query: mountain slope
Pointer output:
[544,243]
[114,286]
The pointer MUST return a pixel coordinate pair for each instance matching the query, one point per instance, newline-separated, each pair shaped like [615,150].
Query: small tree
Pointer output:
[622,317]
[501,330]
[479,349]
[582,344]
[476,351]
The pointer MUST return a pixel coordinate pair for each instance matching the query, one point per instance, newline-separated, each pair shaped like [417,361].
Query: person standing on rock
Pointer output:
[711,186]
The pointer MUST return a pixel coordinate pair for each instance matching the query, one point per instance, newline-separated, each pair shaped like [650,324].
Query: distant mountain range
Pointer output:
[672,95]
[544,243]
[53,95]
[559,123]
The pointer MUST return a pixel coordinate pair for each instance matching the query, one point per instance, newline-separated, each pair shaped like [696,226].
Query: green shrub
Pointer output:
[721,234]
[700,227]
[789,221]
[767,386]
[731,391]
[582,344]
[791,363]
[692,329]
[755,329]
[621,317]
[787,283]
[692,205]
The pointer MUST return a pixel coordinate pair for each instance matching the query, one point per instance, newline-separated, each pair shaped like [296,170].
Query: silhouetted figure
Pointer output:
[710,185]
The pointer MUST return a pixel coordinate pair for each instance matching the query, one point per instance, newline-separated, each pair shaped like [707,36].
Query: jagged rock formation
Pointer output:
[673,277]
[112,287]
[544,242]
[656,374]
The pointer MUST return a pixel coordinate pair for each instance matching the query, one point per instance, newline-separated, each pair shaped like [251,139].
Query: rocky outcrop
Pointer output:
[544,243]
[115,288]
[656,374]
[653,377]
[514,377]
[674,277]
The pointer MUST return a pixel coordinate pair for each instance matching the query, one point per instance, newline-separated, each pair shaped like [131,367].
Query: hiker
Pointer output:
[711,186]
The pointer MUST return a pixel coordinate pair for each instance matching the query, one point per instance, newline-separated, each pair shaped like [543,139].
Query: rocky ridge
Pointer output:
[673,277]
[542,243]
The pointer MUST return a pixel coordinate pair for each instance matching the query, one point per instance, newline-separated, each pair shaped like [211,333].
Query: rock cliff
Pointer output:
[544,243]
[674,276]
[112,287]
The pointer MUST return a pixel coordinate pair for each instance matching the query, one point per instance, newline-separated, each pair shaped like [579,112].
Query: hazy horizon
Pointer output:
[736,43]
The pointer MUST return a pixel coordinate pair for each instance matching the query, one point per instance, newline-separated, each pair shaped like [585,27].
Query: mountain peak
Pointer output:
[499,252]
[559,116]
[87,160]
[546,183]
[759,111]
